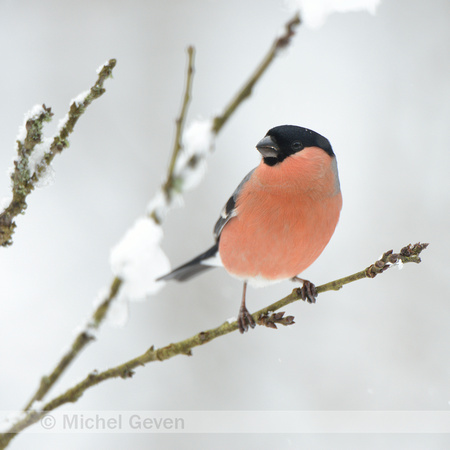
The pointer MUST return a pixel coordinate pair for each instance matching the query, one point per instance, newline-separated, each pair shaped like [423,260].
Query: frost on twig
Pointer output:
[32,166]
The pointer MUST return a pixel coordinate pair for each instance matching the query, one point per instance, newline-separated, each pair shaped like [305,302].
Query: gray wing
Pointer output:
[229,210]
[200,263]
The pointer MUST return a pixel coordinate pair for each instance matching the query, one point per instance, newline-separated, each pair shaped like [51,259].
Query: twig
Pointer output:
[280,43]
[407,254]
[83,338]
[168,185]
[410,253]
[23,182]
[182,117]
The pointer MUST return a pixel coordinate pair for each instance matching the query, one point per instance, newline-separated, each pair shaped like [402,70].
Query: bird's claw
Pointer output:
[308,291]
[245,320]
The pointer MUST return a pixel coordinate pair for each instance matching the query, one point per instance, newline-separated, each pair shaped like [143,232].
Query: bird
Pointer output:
[279,219]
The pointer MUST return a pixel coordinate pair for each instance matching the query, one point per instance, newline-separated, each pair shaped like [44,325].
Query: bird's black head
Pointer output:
[285,140]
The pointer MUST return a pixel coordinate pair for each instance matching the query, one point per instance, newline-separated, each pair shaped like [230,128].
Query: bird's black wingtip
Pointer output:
[192,268]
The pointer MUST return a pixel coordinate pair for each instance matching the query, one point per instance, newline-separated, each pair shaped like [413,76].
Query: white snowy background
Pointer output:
[376,85]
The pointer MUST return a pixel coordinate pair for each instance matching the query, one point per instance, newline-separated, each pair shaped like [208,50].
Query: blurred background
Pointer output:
[377,86]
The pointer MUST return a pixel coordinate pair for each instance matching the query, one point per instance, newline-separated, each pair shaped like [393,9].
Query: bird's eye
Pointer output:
[296,146]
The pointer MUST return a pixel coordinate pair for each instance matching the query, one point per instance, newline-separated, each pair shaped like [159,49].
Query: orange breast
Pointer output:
[286,215]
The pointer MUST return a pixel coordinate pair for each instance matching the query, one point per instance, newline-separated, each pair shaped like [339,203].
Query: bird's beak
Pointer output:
[268,147]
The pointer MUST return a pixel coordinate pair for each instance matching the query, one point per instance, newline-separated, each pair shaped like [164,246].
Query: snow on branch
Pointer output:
[138,260]
[315,12]
[32,166]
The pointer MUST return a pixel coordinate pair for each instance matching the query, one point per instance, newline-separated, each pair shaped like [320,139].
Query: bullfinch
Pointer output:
[280,217]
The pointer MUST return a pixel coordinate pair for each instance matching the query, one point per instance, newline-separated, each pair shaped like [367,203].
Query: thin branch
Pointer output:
[410,253]
[279,44]
[168,185]
[23,181]
[82,340]
[182,117]
[77,109]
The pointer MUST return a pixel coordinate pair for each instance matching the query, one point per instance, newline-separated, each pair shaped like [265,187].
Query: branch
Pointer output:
[182,117]
[83,338]
[24,178]
[168,186]
[265,316]
[279,44]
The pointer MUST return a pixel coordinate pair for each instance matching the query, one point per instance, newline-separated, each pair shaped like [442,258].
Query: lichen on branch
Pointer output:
[35,153]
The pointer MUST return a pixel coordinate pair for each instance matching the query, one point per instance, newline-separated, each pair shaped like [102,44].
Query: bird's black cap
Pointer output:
[285,140]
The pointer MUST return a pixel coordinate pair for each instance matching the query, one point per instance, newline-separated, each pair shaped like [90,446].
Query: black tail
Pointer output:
[193,267]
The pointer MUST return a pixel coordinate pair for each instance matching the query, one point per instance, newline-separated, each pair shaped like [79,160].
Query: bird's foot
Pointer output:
[308,291]
[245,319]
